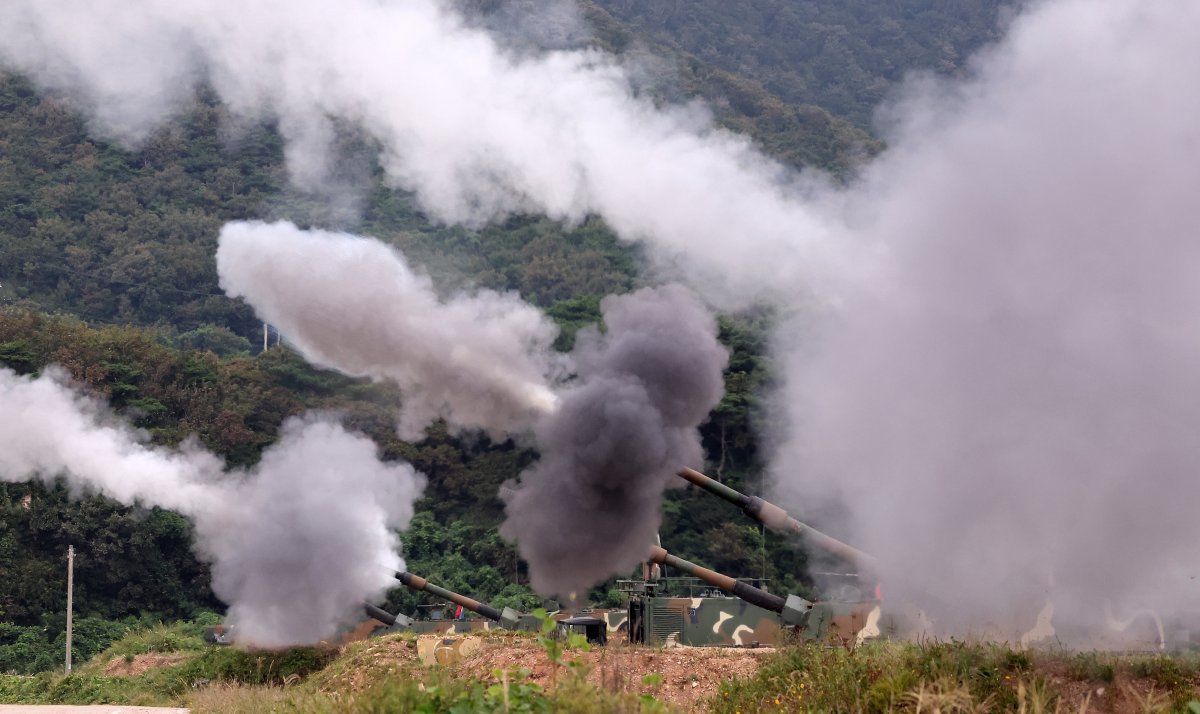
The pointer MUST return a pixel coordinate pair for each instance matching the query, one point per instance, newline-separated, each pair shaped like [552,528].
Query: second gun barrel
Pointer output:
[416,582]
[737,588]
[777,519]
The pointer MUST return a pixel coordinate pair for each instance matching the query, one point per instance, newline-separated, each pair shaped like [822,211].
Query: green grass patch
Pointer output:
[889,676]
[48,688]
[168,685]
[1092,666]
[954,676]
[158,639]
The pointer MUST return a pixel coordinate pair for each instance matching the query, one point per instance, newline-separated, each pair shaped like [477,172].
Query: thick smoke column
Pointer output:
[354,304]
[474,130]
[591,506]
[308,534]
[297,542]
[1010,410]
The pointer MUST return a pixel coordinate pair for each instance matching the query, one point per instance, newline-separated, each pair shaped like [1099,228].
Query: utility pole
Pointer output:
[70,598]
[266,335]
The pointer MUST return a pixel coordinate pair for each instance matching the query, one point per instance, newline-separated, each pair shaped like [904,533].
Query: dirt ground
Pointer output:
[1124,695]
[90,709]
[689,675]
[122,667]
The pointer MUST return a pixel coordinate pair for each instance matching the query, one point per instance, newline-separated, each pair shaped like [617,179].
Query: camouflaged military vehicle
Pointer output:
[614,620]
[436,621]
[734,612]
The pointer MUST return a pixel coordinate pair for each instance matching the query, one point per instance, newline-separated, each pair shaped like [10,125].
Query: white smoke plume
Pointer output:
[475,130]
[1008,410]
[480,361]
[308,534]
[50,429]
[297,543]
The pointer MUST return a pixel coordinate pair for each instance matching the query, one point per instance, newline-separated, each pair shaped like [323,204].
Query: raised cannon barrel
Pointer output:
[506,618]
[777,519]
[794,610]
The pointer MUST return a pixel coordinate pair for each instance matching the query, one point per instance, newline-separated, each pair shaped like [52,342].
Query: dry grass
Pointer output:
[240,699]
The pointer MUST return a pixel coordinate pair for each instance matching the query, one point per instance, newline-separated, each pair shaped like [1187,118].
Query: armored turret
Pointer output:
[777,519]
[506,618]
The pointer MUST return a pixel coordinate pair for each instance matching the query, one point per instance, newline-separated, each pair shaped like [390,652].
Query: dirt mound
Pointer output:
[686,675]
[140,664]
[367,662]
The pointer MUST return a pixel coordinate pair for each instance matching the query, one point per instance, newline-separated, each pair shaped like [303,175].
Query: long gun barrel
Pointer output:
[777,519]
[387,618]
[416,582]
[378,613]
[794,609]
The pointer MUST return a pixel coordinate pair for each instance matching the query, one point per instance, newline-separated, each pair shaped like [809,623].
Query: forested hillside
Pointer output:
[106,268]
[843,57]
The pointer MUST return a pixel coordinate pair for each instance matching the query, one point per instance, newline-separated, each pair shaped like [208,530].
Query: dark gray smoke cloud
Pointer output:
[591,506]
[481,360]
[296,543]
[1009,407]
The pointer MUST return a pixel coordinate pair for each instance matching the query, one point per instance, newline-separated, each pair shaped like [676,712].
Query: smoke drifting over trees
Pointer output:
[591,506]
[297,542]
[476,131]
[1000,386]
[49,429]
[479,361]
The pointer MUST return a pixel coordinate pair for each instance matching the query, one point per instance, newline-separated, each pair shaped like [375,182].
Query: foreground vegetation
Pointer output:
[383,674]
[962,677]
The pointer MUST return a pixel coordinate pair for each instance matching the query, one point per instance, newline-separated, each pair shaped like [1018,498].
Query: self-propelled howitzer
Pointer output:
[506,618]
[793,610]
[777,519]
[751,616]
[741,616]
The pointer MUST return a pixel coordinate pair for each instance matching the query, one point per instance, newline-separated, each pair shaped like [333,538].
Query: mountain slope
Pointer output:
[843,56]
